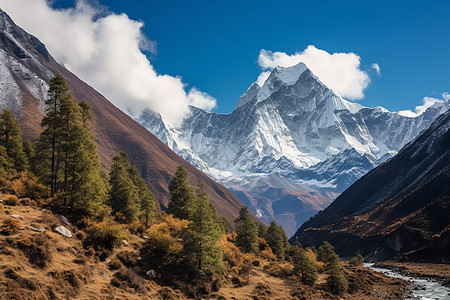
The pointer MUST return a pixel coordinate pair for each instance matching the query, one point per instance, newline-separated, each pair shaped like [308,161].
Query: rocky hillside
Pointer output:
[38,262]
[401,207]
[26,68]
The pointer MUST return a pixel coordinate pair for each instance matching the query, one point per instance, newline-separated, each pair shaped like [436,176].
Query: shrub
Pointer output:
[164,247]
[231,253]
[67,282]
[128,258]
[281,270]
[21,281]
[25,184]
[90,251]
[268,254]
[25,202]
[115,264]
[136,227]
[36,250]
[11,200]
[235,269]
[128,278]
[357,260]
[9,227]
[81,235]
[105,235]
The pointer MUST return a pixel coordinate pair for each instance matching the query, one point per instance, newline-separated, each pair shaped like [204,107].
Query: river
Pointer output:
[426,289]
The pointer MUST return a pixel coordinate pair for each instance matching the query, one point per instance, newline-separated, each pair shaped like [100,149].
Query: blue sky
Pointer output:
[214,45]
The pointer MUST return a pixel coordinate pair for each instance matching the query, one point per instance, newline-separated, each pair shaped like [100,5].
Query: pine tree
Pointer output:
[5,162]
[87,187]
[11,139]
[123,194]
[336,280]
[202,249]
[48,147]
[246,231]
[333,266]
[29,152]
[129,194]
[67,146]
[304,266]
[182,195]
[262,230]
[147,201]
[276,239]
[325,252]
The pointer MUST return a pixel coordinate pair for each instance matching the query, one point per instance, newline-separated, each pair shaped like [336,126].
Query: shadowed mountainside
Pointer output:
[401,207]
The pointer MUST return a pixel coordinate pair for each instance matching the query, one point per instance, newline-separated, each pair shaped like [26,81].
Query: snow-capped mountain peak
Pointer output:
[296,129]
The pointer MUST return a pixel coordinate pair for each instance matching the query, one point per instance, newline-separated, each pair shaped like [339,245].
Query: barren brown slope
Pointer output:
[115,131]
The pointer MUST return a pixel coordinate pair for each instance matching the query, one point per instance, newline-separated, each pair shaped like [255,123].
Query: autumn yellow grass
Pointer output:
[61,268]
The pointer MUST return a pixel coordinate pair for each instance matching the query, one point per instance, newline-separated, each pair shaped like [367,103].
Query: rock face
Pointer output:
[401,207]
[291,145]
[25,70]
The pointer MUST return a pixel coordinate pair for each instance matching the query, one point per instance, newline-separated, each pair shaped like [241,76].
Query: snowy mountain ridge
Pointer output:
[294,128]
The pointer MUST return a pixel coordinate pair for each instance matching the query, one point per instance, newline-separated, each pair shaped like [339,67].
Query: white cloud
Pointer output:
[377,69]
[105,50]
[339,71]
[426,103]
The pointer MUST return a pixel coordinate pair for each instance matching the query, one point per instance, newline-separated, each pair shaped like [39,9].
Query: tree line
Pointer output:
[65,159]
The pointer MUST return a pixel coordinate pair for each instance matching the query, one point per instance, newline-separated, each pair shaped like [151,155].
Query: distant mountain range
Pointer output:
[25,70]
[400,208]
[291,146]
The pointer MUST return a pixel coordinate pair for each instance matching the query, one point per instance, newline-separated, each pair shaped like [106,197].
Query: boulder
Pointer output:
[37,228]
[63,231]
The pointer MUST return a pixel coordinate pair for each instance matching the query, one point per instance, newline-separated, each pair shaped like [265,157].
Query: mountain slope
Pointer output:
[401,207]
[26,67]
[293,130]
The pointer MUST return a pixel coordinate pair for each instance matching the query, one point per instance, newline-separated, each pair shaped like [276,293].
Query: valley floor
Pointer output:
[440,272]
[46,265]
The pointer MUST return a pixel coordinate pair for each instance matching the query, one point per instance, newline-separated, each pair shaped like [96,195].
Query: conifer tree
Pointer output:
[11,140]
[304,266]
[29,152]
[276,239]
[49,144]
[325,252]
[202,249]
[333,266]
[87,187]
[66,145]
[129,194]
[246,231]
[5,162]
[336,280]
[182,195]
[147,201]
[123,194]
[262,230]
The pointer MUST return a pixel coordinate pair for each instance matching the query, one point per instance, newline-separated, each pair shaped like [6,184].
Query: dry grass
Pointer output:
[67,272]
